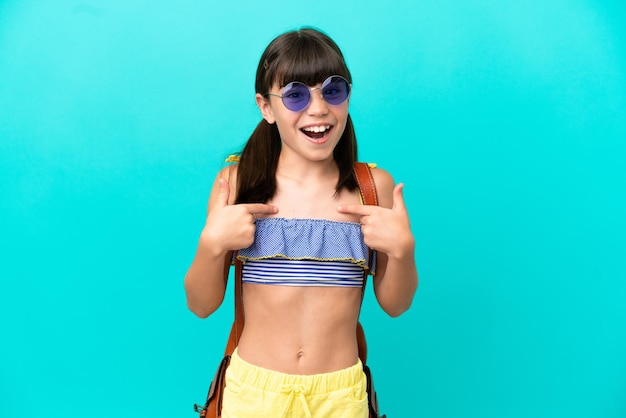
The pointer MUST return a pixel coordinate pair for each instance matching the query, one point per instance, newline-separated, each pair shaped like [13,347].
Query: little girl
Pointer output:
[291,210]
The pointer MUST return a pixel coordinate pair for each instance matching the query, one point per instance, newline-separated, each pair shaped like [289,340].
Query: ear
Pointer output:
[265,108]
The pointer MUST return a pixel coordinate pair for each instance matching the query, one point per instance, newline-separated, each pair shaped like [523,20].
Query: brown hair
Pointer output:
[309,56]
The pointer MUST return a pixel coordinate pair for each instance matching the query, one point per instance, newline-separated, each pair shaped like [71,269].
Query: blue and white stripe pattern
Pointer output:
[306,252]
[303,273]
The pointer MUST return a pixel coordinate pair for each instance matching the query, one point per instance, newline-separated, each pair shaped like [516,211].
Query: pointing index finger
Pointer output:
[260,208]
[361,210]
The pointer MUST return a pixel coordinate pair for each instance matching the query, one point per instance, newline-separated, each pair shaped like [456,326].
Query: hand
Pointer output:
[232,227]
[384,229]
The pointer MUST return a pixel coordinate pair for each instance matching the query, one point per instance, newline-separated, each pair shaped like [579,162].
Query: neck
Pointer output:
[305,170]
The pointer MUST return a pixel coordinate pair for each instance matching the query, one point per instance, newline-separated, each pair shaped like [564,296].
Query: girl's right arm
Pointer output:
[228,227]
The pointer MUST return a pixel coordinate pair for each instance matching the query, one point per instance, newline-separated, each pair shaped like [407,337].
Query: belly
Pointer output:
[300,330]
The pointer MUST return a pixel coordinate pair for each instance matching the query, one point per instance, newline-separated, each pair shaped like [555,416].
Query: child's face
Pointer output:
[311,133]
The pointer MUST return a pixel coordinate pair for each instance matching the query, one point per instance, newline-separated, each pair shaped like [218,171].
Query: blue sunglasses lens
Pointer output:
[296,96]
[335,90]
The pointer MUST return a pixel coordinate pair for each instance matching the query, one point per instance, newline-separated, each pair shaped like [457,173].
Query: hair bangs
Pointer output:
[310,69]
[309,60]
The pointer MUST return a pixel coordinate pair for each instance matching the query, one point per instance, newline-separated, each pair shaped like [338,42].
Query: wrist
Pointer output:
[211,245]
[404,250]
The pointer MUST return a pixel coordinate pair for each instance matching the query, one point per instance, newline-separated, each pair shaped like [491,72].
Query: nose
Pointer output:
[318,105]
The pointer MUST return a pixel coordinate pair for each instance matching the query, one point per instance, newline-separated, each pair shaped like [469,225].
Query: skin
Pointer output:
[303,330]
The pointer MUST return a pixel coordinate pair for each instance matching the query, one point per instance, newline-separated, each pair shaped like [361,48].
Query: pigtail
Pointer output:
[256,174]
[345,155]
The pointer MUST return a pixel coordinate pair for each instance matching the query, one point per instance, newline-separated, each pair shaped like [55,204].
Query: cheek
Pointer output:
[340,131]
[343,122]
[342,112]
[343,118]
[283,120]
[286,119]
[286,124]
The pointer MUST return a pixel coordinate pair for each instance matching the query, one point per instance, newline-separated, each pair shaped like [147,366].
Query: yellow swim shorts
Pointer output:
[254,392]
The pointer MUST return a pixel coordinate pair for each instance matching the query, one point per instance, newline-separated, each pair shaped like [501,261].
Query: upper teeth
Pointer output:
[317,129]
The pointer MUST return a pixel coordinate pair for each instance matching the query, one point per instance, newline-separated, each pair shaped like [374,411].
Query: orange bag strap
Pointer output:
[237,328]
[367,188]
[365,180]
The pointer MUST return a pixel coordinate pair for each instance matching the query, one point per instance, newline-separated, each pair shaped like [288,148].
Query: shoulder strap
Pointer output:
[365,180]
[237,328]
[367,188]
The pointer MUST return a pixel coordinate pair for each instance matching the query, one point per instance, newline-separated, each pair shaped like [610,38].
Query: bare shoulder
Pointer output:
[384,186]
[228,173]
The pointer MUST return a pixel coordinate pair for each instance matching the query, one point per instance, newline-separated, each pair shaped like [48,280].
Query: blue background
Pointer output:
[506,121]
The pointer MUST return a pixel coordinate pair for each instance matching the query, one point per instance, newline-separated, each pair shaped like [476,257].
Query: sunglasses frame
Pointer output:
[310,89]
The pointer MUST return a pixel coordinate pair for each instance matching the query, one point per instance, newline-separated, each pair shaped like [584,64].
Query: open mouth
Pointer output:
[316,132]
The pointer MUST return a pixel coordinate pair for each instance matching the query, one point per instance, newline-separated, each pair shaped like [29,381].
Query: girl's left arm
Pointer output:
[386,229]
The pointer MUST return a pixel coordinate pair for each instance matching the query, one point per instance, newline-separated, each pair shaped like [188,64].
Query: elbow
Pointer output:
[397,310]
[202,307]
[396,306]
[394,313]
[200,310]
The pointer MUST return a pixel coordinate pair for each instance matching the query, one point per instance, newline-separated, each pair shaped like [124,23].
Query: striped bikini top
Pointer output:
[306,252]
